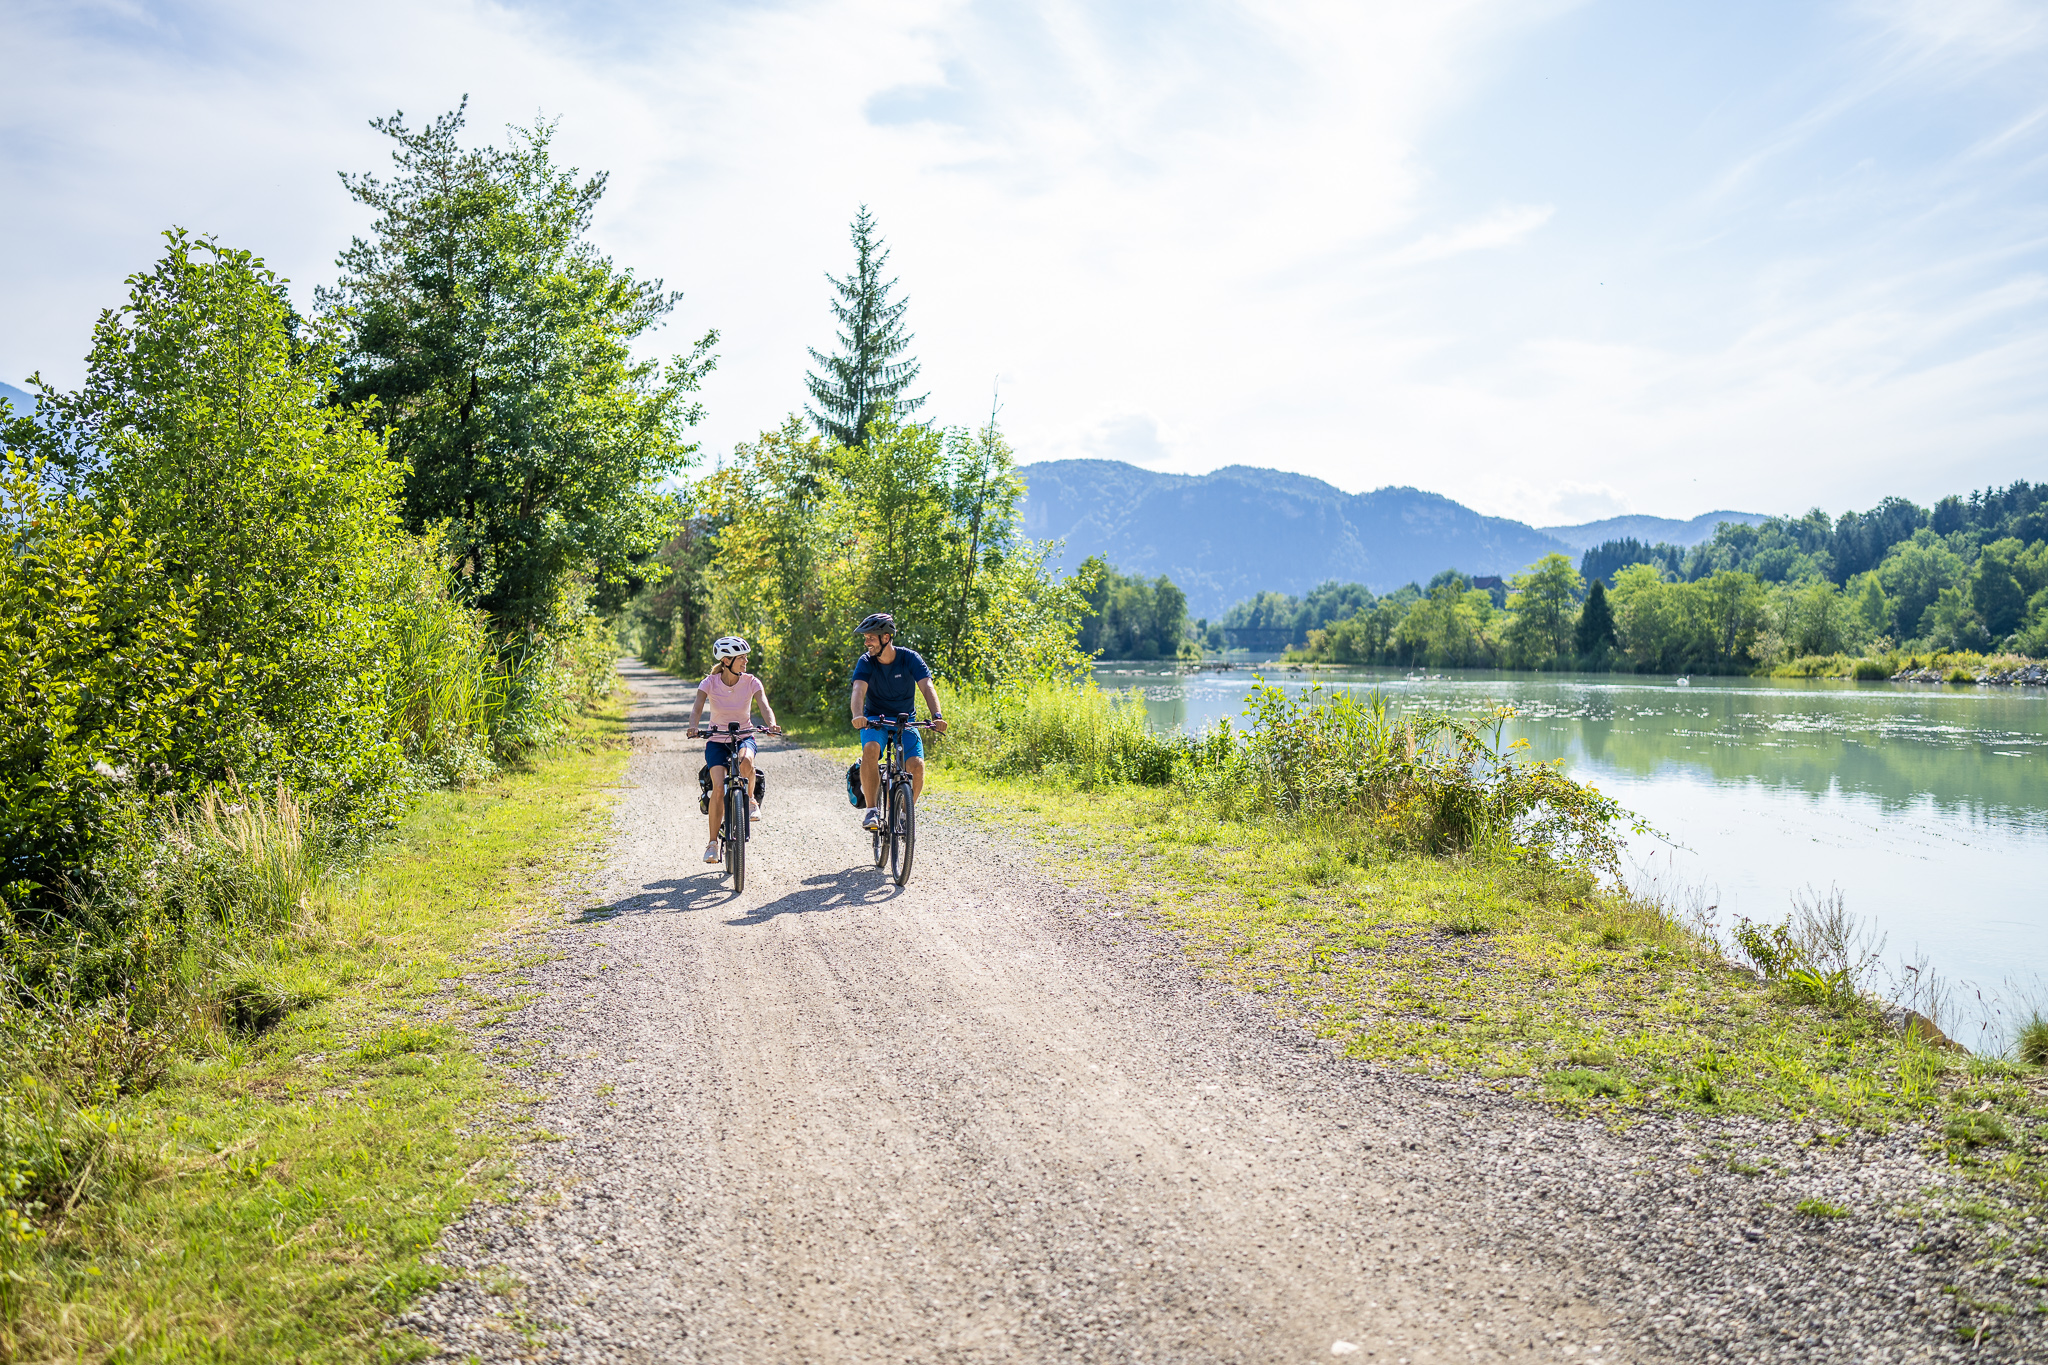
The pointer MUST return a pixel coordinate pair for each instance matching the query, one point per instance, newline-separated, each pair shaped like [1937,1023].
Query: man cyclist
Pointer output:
[886,683]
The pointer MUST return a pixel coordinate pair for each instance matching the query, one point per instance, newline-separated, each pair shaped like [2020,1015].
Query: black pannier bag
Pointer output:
[853,786]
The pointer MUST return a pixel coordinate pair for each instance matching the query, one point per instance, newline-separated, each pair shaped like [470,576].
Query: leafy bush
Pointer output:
[1820,954]
[1429,784]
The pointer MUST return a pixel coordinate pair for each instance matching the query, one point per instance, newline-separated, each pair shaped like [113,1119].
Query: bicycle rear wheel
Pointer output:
[903,832]
[736,838]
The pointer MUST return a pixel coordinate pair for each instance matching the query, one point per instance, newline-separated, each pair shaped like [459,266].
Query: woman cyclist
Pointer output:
[729,691]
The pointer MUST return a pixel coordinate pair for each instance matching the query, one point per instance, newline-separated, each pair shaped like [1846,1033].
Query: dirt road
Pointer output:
[985,1119]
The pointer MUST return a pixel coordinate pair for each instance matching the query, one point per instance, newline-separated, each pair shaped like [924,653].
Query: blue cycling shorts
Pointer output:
[718,753]
[913,740]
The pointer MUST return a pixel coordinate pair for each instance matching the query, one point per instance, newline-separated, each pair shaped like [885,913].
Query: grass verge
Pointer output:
[1515,977]
[270,1199]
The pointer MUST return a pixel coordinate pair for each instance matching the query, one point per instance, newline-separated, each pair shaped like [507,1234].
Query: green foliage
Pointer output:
[1427,784]
[1594,635]
[866,379]
[1820,1208]
[794,542]
[1054,729]
[106,689]
[213,604]
[1545,605]
[1605,560]
[1133,618]
[204,419]
[2030,1040]
[497,343]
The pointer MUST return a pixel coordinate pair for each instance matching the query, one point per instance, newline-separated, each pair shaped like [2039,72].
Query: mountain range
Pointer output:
[1241,530]
[24,403]
[1649,530]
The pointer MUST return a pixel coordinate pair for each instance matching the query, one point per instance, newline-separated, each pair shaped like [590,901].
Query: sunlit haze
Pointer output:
[1558,261]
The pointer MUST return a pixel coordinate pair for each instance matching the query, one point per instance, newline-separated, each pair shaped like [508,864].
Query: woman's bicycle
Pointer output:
[734,828]
[896,836]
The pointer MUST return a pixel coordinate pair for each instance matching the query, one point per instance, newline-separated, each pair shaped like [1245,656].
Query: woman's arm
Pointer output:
[761,696]
[696,710]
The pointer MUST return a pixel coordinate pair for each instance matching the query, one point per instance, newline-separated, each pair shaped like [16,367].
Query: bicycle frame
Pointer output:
[734,798]
[895,841]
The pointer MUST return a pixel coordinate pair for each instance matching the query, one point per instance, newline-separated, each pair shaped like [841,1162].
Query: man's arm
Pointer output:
[860,696]
[931,703]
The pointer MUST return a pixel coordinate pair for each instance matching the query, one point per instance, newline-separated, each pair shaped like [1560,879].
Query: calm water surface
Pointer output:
[1926,805]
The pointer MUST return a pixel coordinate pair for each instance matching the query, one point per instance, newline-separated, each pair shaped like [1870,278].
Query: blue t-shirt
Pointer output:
[892,687]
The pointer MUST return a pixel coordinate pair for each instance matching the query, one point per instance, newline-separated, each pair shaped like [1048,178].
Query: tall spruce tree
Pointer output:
[853,385]
[1596,622]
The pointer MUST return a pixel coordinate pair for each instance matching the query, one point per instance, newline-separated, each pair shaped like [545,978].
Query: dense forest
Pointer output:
[1969,575]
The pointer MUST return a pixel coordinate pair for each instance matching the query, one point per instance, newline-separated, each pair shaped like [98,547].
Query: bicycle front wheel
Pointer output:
[736,838]
[903,832]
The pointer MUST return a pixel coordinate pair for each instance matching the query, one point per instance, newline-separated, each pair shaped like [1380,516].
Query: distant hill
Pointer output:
[1649,530]
[1225,536]
[24,403]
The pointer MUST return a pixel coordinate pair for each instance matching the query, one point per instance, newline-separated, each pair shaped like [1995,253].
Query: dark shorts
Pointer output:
[913,740]
[718,753]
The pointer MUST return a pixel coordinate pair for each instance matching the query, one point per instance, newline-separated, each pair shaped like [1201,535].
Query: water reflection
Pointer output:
[1927,805]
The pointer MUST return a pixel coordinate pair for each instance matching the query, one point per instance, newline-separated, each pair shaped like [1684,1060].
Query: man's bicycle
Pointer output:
[896,836]
[734,828]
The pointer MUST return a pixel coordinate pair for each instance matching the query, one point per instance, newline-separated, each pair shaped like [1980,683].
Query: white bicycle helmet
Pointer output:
[729,647]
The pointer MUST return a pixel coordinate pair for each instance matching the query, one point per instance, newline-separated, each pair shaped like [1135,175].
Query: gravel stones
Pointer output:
[988,1117]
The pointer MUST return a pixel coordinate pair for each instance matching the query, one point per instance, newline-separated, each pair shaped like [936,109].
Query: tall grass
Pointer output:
[1423,783]
[1073,731]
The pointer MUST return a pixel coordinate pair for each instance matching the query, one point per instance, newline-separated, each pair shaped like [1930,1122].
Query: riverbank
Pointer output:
[1500,965]
[991,1116]
[270,1198]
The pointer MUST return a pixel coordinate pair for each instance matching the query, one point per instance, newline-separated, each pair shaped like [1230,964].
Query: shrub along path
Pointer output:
[989,1117]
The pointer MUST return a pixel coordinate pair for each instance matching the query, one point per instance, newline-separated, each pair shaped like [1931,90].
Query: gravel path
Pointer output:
[987,1118]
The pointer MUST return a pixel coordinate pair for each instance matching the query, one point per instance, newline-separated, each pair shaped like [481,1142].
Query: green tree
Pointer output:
[866,376]
[1545,607]
[1913,575]
[1817,619]
[1594,635]
[1995,591]
[1449,627]
[496,341]
[206,414]
[107,694]
[1132,617]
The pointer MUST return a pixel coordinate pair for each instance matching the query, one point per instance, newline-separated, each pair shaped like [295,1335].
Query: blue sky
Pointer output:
[1556,260]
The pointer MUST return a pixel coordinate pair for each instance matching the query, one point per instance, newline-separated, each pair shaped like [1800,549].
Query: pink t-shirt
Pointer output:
[725,704]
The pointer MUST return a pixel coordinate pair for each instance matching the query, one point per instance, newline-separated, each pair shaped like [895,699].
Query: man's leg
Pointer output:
[870,775]
[717,801]
[915,767]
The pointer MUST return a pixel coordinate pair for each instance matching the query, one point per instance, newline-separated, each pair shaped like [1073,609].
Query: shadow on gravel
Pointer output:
[677,897]
[829,891]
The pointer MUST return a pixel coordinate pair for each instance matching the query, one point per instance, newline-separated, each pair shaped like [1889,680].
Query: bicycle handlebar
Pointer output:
[897,723]
[733,731]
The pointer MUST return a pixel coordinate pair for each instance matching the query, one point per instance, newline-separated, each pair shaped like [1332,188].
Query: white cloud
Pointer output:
[1188,235]
[1502,227]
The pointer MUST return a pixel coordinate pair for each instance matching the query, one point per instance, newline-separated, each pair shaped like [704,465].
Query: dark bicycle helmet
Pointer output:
[876,624]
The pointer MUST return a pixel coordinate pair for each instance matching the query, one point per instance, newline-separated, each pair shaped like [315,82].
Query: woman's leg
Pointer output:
[717,801]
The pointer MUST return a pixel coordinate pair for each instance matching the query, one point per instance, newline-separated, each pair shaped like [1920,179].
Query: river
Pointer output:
[1926,805]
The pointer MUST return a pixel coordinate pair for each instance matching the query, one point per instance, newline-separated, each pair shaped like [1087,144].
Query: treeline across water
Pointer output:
[1882,590]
